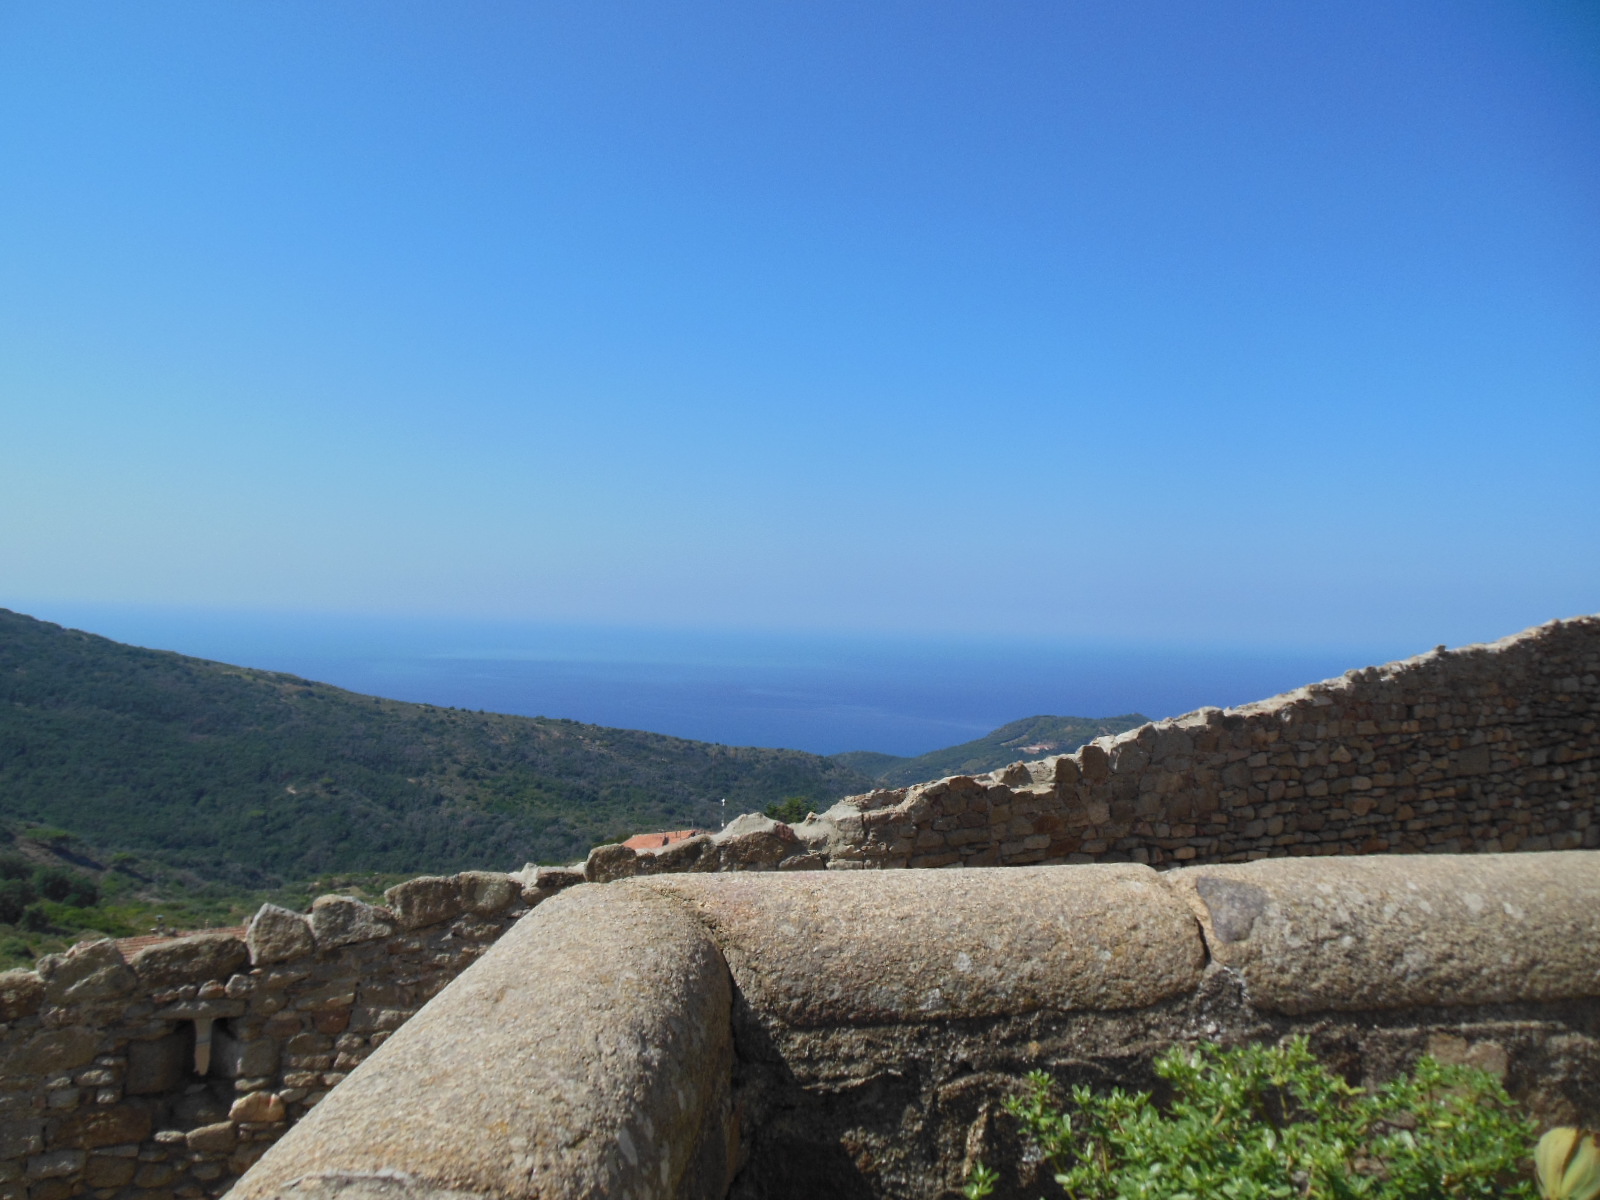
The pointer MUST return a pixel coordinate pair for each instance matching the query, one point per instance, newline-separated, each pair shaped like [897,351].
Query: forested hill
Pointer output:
[246,776]
[1031,737]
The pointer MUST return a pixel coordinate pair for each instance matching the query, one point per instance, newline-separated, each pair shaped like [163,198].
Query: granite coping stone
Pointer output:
[1391,931]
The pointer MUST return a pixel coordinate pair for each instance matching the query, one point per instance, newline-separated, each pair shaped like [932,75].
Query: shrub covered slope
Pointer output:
[251,776]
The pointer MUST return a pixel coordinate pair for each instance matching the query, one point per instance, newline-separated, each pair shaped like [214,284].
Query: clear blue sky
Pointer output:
[1214,322]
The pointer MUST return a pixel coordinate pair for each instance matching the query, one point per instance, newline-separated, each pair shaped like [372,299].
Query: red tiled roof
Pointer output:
[655,841]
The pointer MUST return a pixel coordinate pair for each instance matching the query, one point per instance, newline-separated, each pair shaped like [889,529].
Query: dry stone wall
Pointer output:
[165,1074]
[788,1036]
[1481,749]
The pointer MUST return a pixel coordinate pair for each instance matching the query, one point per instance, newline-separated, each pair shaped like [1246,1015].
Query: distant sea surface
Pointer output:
[825,694]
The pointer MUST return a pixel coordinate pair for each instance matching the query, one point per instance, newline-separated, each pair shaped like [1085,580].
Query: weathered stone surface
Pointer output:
[755,843]
[158,1065]
[277,935]
[540,883]
[608,863]
[218,1138]
[86,973]
[1391,931]
[112,1125]
[486,892]
[343,920]
[426,900]
[1487,748]
[21,993]
[21,1138]
[50,1051]
[239,1058]
[257,1106]
[604,1072]
[109,1171]
[189,960]
[56,1164]
[830,949]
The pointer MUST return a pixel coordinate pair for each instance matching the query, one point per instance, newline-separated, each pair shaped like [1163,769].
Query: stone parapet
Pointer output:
[164,1073]
[1478,750]
[774,1036]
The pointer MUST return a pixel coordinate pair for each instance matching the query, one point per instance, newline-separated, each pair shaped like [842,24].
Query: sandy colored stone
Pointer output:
[213,1139]
[753,842]
[1390,931]
[342,920]
[611,862]
[189,960]
[425,900]
[88,1128]
[50,1051]
[257,1106]
[598,1063]
[276,934]
[86,973]
[21,993]
[486,892]
[816,949]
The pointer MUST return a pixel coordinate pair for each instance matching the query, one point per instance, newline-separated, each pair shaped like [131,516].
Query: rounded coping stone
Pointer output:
[589,1053]
[819,949]
[1392,931]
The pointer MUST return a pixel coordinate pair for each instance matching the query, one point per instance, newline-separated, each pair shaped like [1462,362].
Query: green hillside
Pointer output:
[1031,737]
[251,777]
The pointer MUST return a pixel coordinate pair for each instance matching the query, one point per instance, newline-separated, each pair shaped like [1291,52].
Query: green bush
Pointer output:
[791,810]
[1271,1123]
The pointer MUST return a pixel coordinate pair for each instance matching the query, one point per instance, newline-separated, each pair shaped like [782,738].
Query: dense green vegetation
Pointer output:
[1031,737]
[1261,1122]
[250,778]
[54,889]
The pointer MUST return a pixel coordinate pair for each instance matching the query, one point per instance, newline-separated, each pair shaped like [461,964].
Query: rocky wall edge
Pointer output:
[1485,748]
[589,1054]
[592,1030]
[165,1072]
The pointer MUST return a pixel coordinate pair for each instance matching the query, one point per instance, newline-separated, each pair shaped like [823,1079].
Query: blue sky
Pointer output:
[1233,323]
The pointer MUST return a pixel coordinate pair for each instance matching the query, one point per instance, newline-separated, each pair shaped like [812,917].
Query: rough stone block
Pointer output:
[486,892]
[87,973]
[51,1051]
[219,1138]
[880,946]
[1390,931]
[106,1171]
[91,1127]
[210,956]
[257,1106]
[344,920]
[159,1064]
[56,1164]
[21,993]
[628,979]
[425,900]
[234,1057]
[276,934]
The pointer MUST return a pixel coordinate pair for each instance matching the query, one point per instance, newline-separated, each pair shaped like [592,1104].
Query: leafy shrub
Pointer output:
[14,866]
[15,896]
[1260,1122]
[66,887]
[791,810]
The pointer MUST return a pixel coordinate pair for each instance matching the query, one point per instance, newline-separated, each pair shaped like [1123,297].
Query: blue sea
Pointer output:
[823,693]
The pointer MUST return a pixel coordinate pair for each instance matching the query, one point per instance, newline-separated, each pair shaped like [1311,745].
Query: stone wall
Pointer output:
[165,1074]
[768,1036]
[1481,749]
